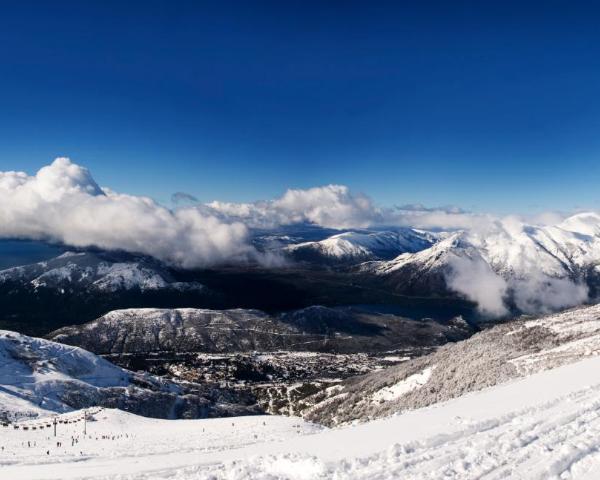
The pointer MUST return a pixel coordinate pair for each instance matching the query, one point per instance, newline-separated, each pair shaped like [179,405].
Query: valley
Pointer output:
[350,328]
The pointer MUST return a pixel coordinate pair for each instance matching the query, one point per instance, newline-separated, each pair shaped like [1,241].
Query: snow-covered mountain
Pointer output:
[560,250]
[424,271]
[533,268]
[39,376]
[274,239]
[429,260]
[317,328]
[557,250]
[496,355]
[359,246]
[102,272]
[509,246]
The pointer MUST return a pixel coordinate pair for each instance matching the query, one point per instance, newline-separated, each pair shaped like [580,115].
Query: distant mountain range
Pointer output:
[315,329]
[77,287]
[569,249]
[563,250]
[523,268]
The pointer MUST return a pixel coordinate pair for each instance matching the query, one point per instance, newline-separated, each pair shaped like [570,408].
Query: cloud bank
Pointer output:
[63,203]
[539,293]
[476,281]
[330,206]
[336,206]
[535,293]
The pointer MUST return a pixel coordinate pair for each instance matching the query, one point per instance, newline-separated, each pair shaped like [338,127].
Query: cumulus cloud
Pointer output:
[330,206]
[336,206]
[63,203]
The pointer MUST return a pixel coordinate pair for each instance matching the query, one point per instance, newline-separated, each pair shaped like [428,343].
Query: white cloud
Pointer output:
[534,293]
[473,278]
[330,206]
[539,293]
[63,203]
[336,206]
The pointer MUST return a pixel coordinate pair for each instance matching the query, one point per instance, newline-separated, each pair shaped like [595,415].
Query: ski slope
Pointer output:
[543,426]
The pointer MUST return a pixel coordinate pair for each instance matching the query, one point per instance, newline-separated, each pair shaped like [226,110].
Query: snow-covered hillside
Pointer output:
[38,376]
[317,328]
[545,426]
[496,355]
[96,272]
[40,371]
[361,246]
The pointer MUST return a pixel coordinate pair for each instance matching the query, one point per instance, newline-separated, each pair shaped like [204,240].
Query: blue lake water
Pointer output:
[22,252]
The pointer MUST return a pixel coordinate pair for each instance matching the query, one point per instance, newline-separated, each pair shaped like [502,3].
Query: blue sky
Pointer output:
[493,107]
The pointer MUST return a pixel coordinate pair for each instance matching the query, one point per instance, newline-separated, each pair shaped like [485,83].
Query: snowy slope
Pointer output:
[361,246]
[96,272]
[496,355]
[39,376]
[39,372]
[542,427]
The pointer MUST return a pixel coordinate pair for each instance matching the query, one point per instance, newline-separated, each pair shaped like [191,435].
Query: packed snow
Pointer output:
[117,442]
[411,383]
[543,426]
